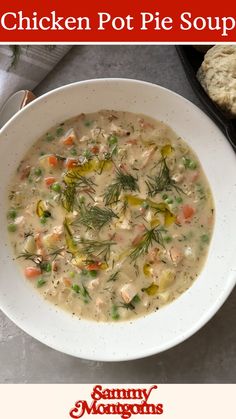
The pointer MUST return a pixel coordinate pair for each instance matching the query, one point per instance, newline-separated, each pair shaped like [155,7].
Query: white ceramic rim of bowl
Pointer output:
[137,349]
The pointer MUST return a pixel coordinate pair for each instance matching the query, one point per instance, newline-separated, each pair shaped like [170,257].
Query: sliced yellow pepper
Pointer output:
[71,245]
[151,290]
[166,150]
[84,169]
[169,218]
[147,269]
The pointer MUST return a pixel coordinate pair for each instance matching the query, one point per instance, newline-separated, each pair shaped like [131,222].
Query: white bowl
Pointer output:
[173,323]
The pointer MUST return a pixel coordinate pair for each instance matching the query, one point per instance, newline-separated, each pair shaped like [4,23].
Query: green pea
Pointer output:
[189,163]
[205,238]
[93,273]
[114,312]
[47,267]
[179,199]
[192,165]
[38,171]
[76,288]
[12,228]
[56,187]
[84,272]
[136,299]
[112,140]
[41,282]
[12,214]
[43,220]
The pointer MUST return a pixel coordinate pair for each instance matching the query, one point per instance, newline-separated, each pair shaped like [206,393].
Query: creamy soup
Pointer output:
[110,215]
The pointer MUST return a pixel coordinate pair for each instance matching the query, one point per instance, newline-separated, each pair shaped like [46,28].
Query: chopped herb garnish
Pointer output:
[162,181]
[59,131]
[12,214]
[39,260]
[123,182]
[12,228]
[68,195]
[132,303]
[112,140]
[49,137]
[113,277]
[96,248]
[88,123]
[94,217]
[150,236]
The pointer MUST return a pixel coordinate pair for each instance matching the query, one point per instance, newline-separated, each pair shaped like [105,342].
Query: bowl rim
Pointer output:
[212,309]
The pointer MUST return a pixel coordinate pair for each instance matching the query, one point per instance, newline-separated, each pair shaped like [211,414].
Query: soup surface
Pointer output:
[110,215]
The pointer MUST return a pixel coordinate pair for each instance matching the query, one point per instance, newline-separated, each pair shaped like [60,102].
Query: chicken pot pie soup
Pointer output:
[110,215]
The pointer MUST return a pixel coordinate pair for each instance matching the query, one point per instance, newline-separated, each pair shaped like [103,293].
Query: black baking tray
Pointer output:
[191,59]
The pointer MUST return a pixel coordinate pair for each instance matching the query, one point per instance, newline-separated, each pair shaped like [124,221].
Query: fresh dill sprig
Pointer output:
[33,257]
[162,181]
[96,248]
[68,195]
[38,259]
[77,183]
[113,277]
[94,217]
[80,181]
[123,182]
[151,236]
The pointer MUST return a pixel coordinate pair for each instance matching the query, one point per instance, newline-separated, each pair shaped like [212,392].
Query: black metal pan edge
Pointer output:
[228,126]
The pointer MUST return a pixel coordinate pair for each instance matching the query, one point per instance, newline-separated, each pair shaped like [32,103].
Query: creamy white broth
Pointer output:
[110,215]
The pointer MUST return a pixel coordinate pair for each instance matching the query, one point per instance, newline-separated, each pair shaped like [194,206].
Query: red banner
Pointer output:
[106,21]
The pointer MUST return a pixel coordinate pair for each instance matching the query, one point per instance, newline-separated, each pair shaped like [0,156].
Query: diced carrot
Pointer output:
[179,219]
[140,227]
[52,160]
[93,266]
[49,180]
[137,239]
[194,176]
[68,140]
[133,142]
[188,211]
[32,272]
[123,166]
[67,282]
[70,163]
[95,149]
